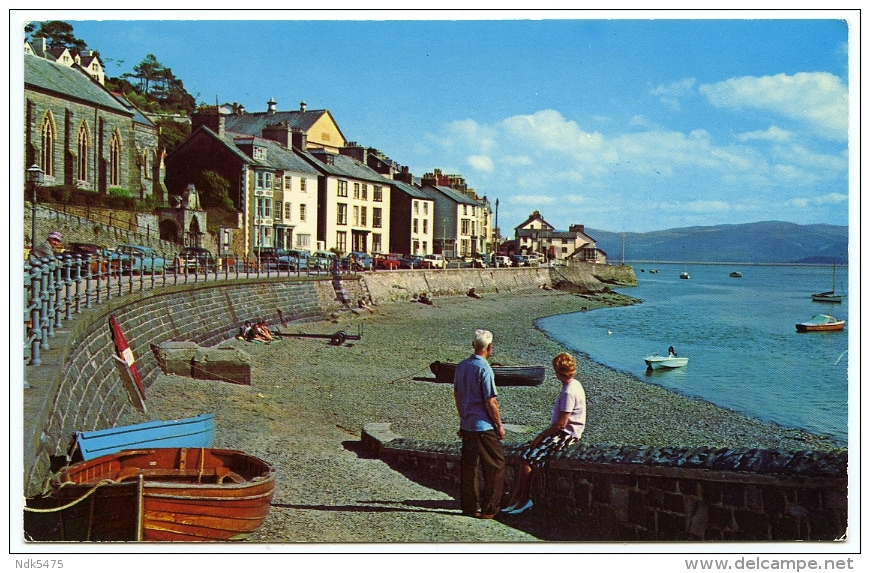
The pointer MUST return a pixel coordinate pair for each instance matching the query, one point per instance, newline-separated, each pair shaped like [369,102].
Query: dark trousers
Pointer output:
[483,448]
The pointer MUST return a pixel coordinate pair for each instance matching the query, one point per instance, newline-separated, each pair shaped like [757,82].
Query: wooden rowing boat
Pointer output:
[504,375]
[185,494]
[196,432]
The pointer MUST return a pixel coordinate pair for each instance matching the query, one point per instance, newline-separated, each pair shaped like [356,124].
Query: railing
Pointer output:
[58,288]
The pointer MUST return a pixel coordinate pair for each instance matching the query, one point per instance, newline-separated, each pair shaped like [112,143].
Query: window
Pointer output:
[425,208]
[302,185]
[378,193]
[288,211]
[264,207]
[416,247]
[279,209]
[356,190]
[302,213]
[355,215]
[342,188]
[267,236]
[425,225]
[415,227]
[82,174]
[341,241]
[376,217]
[115,160]
[362,216]
[342,214]
[288,183]
[264,180]
[259,153]
[303,240]
[416,207]
[376,242]
[466,227]
[146,164]
[425,247]
[365,192]
[465,209]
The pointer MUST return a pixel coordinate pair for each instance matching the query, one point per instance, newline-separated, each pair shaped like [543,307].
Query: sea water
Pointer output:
[739,334]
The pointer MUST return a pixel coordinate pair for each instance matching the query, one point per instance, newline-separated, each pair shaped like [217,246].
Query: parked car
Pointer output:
[436,261]
[101,259]
[139,259]
[268,258]
[196,259]
[414,262]
[294,260]
[501,261]
[363,260]
[387,261]
[520,261]
[323,260]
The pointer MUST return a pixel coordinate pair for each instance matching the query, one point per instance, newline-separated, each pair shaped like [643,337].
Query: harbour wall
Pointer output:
[626,493]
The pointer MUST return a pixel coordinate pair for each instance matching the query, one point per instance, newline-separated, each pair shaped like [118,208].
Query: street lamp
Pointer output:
[34,178]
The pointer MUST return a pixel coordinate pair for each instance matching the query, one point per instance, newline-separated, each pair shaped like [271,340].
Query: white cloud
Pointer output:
[772,133]
[817,98]
[828,199]
[670,95]
[533,200]
[481,163]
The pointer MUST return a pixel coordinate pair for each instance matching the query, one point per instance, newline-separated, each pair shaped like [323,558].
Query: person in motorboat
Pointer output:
[671,352]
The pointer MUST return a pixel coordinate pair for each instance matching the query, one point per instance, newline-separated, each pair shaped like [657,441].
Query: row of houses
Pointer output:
[294,180]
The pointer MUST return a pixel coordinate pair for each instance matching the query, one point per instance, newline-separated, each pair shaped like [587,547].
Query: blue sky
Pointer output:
[619,124]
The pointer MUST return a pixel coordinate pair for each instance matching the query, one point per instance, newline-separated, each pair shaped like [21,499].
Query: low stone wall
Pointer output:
[624,493]
[87,392]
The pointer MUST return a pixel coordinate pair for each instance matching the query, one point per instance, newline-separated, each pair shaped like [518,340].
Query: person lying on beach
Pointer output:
[566,427]
[473,293]
[424,298]
[261,332]
[247,331]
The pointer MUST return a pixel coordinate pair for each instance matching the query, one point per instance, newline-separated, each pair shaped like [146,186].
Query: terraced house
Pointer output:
[80,134]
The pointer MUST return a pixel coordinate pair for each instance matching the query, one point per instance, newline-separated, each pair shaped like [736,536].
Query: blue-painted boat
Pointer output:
[196,432]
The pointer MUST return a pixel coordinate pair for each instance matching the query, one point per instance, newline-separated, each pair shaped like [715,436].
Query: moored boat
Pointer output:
[831,295]
[736,275]
[504,375]
[185,494]
[656,362]
[684,275]
[821,323]
[196,432]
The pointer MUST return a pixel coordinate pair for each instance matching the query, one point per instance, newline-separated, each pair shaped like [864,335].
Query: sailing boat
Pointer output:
[831,295]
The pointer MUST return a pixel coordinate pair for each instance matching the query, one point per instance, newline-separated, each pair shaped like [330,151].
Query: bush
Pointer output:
[118,192]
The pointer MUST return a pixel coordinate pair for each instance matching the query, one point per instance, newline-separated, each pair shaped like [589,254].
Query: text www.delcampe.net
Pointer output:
[768,563]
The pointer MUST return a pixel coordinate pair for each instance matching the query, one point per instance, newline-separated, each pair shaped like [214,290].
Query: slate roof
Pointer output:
[455,195]
[138,116]
[412,191]
[254,123]
[548,233]
[279,157]
[344,166]
[68,82]
[533,217]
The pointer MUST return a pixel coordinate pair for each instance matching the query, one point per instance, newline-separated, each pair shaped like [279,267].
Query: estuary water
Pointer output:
[739,335]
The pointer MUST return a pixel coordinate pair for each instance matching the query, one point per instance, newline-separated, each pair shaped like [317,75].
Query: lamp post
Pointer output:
[34,178]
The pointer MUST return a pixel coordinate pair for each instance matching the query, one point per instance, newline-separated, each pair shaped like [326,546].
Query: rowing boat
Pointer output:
[184,494]
[196,432]
[504,375]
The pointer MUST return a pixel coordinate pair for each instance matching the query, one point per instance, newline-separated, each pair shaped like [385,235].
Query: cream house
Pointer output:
[535,235]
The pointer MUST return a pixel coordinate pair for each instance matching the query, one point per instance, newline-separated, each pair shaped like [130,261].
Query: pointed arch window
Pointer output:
[82,165]
[115,160]
[46,156]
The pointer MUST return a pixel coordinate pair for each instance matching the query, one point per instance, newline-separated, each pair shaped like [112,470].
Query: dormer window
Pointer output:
[259,153]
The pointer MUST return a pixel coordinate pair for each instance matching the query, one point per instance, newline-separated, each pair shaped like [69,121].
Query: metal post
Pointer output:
[35,313]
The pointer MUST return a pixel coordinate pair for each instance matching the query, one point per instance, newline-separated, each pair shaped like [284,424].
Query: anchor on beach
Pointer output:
[336,339]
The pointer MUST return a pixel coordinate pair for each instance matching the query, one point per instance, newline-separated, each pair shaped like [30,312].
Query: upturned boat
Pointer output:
[821,323]
[504,375]
[196,432]
[182,494]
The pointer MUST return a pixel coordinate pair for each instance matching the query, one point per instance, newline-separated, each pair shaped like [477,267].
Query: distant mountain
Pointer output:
[764,242]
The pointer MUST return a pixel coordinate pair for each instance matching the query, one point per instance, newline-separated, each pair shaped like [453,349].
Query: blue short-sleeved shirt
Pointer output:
[474,384]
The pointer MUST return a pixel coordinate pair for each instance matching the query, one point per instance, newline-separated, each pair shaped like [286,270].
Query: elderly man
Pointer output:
[49,248]
[481,430]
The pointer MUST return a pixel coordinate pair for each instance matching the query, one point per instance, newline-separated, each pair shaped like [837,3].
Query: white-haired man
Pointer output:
[481,430]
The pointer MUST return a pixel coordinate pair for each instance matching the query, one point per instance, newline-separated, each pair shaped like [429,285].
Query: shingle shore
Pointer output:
[309,400]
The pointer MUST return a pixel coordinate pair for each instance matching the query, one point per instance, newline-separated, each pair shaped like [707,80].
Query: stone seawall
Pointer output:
[87,392]
[624,493]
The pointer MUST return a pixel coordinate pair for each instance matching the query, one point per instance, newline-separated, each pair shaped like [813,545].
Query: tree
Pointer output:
[216,192]
[58,33]
[172,133]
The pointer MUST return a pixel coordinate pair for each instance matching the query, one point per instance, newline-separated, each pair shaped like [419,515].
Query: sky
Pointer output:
[636,123]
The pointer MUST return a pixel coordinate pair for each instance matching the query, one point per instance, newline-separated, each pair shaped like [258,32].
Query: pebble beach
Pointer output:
[309,401]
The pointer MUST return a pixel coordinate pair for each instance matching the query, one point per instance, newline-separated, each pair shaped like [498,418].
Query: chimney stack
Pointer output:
[299,139]
[358,152]
[404,176]
[209,116]
[279,132]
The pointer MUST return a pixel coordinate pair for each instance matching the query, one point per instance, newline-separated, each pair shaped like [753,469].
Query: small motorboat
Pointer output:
[180,494]
[736,275]
[656,362]
[821,323]
[504,375]
[653,271]
[684,275]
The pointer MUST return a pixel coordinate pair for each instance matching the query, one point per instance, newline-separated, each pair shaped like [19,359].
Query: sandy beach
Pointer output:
[309,401]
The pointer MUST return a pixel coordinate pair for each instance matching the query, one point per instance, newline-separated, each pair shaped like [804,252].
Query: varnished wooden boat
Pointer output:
[504,375]
[185,494]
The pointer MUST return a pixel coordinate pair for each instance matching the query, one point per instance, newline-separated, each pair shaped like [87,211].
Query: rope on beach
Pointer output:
[411,375]
[73,502]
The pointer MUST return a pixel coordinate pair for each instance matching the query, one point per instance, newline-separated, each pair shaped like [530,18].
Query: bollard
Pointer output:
[35,314]
[78,291]
[57,298]
[67,281]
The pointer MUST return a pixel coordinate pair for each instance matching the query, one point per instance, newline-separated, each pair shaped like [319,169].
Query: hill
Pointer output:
[763,242]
